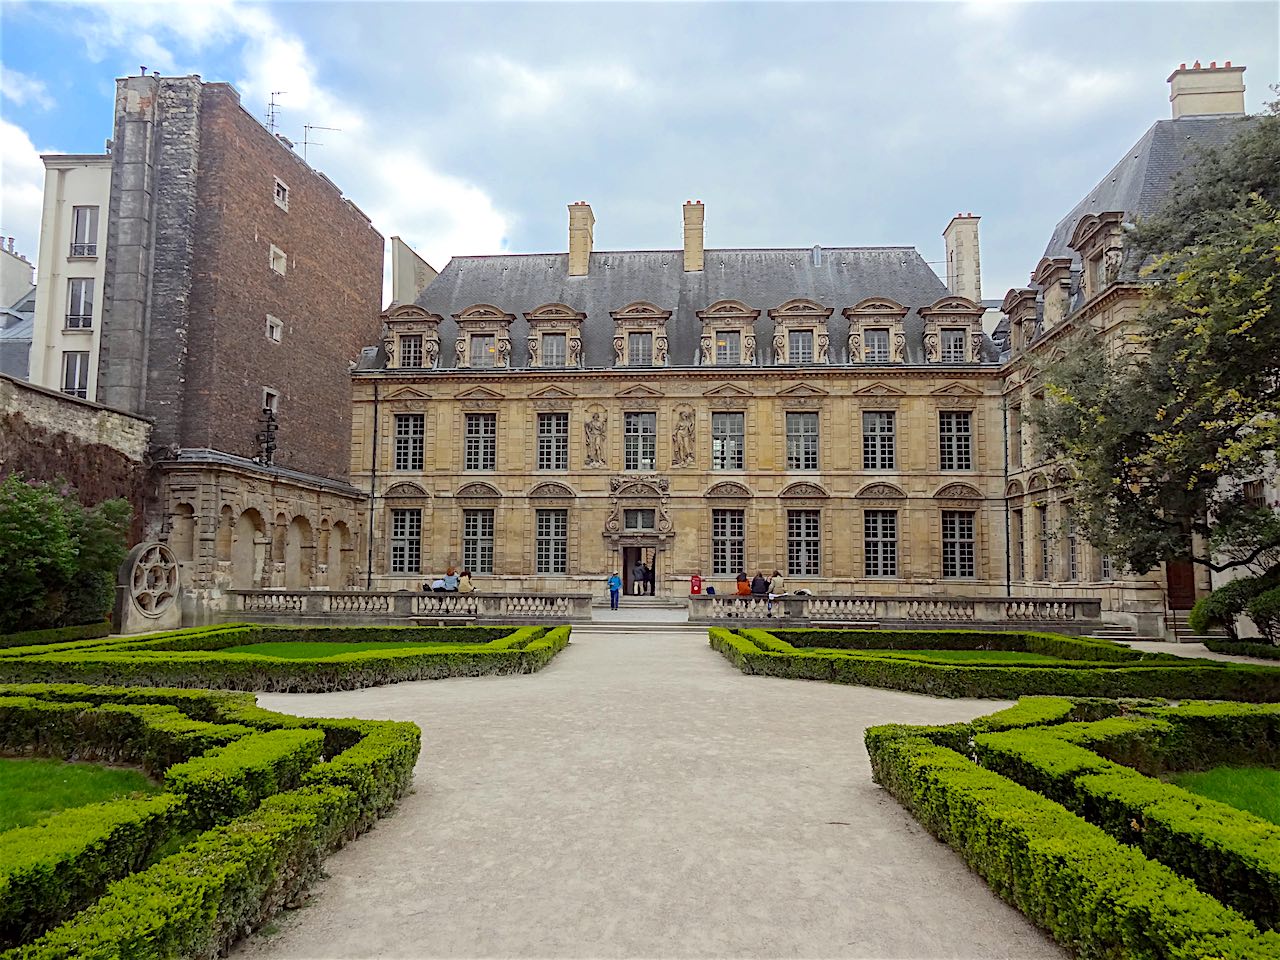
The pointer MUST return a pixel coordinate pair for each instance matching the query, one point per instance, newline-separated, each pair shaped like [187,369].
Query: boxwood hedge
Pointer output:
[273,794]
[55,635]
[1084,668]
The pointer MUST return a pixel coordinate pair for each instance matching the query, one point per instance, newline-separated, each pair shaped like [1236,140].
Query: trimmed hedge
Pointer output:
[197,658]
[1136,676]
[1095,895]
[1243,648]
[1046,644]
[55,635]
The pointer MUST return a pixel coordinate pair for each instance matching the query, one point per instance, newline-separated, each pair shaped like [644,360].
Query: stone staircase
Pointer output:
[1175,623]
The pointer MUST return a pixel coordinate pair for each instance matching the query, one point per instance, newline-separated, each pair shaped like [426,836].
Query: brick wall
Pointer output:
[328,299]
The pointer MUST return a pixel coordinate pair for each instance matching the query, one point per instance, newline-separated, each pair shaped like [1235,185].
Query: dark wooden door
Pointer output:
[1181,575]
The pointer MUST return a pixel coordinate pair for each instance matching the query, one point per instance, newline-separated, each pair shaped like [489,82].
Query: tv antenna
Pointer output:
[272,108]
[306,136]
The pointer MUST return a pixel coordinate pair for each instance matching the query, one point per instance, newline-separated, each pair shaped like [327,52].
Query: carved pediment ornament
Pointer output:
[723,310]
[649,491]
[881,491]
[551,491]
[1014,489]
[1037,483]
[803,489]
[727,489]
[958,491]
[477,491]
[404,491]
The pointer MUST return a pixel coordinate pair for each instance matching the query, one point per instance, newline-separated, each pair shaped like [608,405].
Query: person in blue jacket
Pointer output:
[615,588]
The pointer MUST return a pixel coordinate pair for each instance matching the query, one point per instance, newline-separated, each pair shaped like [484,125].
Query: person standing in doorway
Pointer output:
[615,590]
[648,578]
[638,578]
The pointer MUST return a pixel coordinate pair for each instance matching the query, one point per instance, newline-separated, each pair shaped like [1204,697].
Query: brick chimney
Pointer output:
[582,224]
[1211,91]
[964,265]
[694,212]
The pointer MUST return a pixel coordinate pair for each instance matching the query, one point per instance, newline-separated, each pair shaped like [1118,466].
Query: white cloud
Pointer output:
[23,89]
[520,91]
[21,188]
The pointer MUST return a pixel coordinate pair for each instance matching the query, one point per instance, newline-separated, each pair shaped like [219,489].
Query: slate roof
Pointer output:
[764,279]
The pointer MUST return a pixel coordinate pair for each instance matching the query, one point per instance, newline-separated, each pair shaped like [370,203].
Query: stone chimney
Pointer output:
[582,224]
[694,212]
[964,265]
[1210,91]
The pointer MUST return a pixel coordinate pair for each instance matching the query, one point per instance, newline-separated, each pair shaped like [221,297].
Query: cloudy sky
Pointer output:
[466,129]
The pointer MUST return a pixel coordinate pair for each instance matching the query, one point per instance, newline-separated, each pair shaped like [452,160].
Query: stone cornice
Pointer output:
[872,371]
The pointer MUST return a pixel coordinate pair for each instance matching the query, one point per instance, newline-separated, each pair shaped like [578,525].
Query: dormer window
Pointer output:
[800,332]
[640,349]
[554,349]
[282,194]
[728,346]
[800,346]
[953,345]
[728,334]
[410,353]
[640,335]
[411,337]
[483,350]
[876,333]
[555,336]
[953,331]
[484,338]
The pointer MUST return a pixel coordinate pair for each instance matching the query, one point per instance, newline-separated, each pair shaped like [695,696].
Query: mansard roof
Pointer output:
[761,279]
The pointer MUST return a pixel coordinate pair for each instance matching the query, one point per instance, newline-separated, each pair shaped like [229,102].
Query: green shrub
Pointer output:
[27,638]
[1244,648]
[1264,611]
[1047,644]
[1221,607]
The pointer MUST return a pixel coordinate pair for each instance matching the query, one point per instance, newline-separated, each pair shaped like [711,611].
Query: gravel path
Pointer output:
[642,798]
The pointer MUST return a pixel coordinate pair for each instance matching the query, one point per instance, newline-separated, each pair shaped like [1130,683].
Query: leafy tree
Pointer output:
[59,558]
[1154,427]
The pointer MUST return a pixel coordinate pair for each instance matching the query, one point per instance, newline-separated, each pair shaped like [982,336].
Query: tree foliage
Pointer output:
[59,559]
[1161,429]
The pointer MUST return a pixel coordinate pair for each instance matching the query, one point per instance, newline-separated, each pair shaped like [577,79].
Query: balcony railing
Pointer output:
[84,250]
[79,321]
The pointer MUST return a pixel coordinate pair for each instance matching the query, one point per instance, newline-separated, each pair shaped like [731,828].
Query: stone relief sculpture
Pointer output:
[931,347]
[660,351]
[533,350]
[430,352]
[704,347]
[779,348]
[504,352]
[682,439]
[855,347]
[618,346]
[594,429]
[900,348]
[575,351]
[976,341]
[824,348]
[749,348]
[460,351]
[1111,264]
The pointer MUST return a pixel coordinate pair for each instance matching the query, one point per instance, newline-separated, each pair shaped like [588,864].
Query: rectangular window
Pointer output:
[481,441]
[406,541]
[802,441]
[477,540]
[728,541]
[553,541]
[553,441]
[84,231]
[638,519]
[80,303]
[800,346]
[957,543]
[804,544]
[1018,547]
[880,542]
[275,329]
[1254,496]
[640,349]
[410,432]
[877,345]
[953,345]
[1015,436]
[270,401]
[279,261]
[955,441]
[484,350]
[878,440]
[1073,547]
[411,351]
[1042,535]
[728,438]
[640,440]
[75,373]
[1104,567]
[728,346]
[553,349]
[282,194]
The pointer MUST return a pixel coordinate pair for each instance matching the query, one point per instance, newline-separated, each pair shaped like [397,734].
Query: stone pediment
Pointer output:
[480,393]
[555,311]
[728,310]
[551,491]
[876,307]
[483,311]
[956,390]
[952,304]
[881,491]
[404,490]
[803,489]
[639,392]
[801,308]
[406,393]
[551,393]
[728,391]
[958,491]
[1014,489]
[409,311]
[879,390]
[797,390]
[727,488]
[640,310]
[477,491]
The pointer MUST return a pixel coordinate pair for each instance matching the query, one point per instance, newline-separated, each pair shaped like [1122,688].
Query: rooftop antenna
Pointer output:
[306,136]
[272,107]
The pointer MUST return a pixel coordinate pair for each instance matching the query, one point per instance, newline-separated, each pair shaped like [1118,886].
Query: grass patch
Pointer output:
[31,789]
[1255,789]
[952,656]
[316,650]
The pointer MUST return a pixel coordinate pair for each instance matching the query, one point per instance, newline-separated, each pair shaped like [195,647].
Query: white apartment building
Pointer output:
[69,273]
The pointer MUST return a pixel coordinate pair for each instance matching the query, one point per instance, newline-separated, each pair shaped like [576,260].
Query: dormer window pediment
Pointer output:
[411,337]
[640,335]
[728,334]
[484,337]
[876,333]
[800,334]
[953,331]
[555,336]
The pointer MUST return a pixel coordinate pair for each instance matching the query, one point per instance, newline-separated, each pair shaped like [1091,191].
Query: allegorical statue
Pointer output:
[594,430]
[682,440]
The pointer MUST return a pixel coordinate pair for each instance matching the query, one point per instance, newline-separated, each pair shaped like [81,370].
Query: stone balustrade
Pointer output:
[331,607]
[976,611]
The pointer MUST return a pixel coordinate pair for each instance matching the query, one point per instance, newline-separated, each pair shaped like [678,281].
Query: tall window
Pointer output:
[80,303]
[957,543]
[1042,535]
[410,431]
[279,260]
[75,373]
[728,346]
[955,440]
[728,541]
[411,350]
[282,194]
[482,441]
[484,350]
[640,439]
[553,541]
[640,349]
[728,432]
[477,540]
[553,349]
[880,542]
[1073,547]
[953,345]
[1104,567]
[84,231]
[275,329]
[877,341]
[1019,548]
[804,544]
[553,441]
[802,441]
[406,541]
[1255,497]
[877,440]
[800,346]
[1015,436]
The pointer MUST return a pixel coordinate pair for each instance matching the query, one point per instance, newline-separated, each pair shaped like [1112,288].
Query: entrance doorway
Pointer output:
[630,557]
[1181,576]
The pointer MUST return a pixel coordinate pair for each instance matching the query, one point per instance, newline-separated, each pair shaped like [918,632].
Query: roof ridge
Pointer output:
[680,251]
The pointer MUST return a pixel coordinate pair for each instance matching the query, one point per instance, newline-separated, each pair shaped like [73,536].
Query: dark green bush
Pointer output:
[1244,648]
[1221,607]
[1047,644]
[1264,611]
[27,638]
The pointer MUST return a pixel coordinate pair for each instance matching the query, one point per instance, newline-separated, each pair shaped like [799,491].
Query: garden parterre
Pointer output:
[1056,803]
[949,663]
[199,657]
[253,802]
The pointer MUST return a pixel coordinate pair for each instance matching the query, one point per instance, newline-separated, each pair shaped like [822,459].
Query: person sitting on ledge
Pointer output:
[759,585]
[464,583]
[451,580]
[744,585]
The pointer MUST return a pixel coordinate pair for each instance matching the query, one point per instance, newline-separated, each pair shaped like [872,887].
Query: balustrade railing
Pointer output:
[835,609]
[410,606]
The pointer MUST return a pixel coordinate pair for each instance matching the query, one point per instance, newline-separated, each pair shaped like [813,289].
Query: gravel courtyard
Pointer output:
[642,798]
